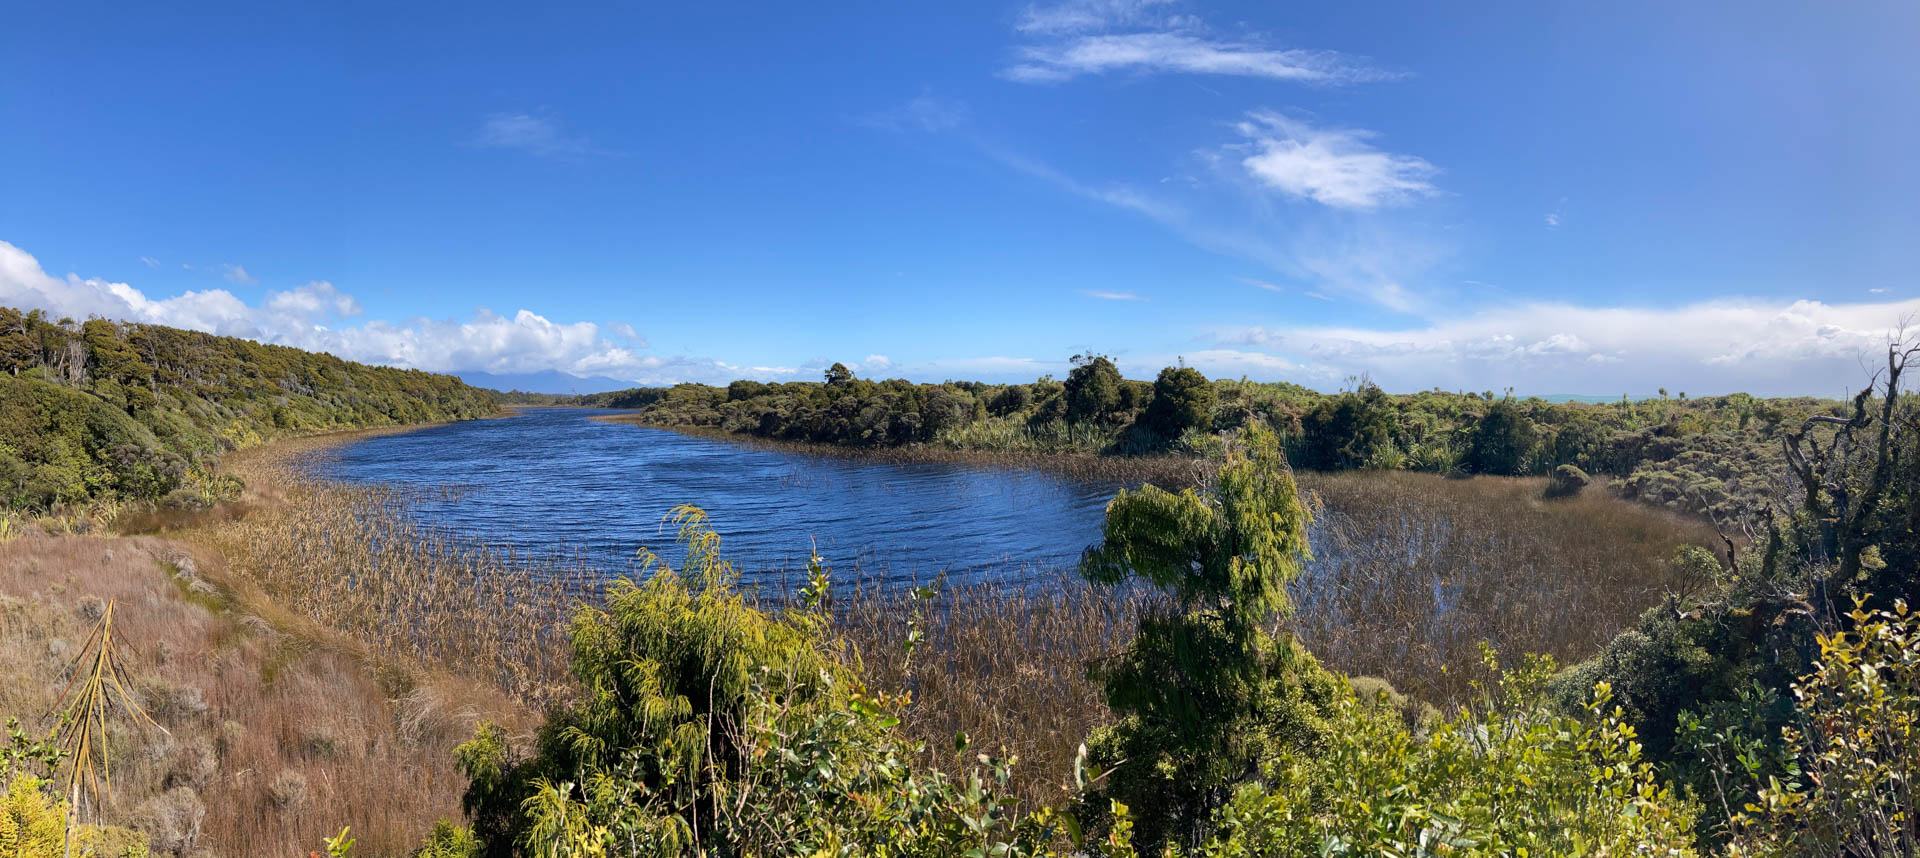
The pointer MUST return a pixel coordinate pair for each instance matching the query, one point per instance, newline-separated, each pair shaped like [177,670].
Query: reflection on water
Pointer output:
[552,480]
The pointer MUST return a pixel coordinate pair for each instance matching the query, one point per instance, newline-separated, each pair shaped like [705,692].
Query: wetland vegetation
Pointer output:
[1354,623]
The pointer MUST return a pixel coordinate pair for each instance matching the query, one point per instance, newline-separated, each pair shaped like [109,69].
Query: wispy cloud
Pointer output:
[1091,37]
[924,112]
[1080,16]
[1183,53]
[540,135]
[150,261]
[1111,296]
[237,274]
[1332,166]
[1761,346]
[1558,215]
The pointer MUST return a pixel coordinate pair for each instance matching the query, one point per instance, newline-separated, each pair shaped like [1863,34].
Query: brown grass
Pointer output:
[245,699]
[352,558]
[1005,664]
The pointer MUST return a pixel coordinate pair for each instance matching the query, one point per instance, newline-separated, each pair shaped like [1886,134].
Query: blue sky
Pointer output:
[1557,197]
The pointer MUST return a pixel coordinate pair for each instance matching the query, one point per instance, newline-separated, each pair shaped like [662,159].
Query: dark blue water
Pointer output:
[552,481]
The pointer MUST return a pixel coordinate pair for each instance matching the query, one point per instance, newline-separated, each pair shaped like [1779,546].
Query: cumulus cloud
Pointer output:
[875,363]
[314,316]
[1332,166]
[1764,347]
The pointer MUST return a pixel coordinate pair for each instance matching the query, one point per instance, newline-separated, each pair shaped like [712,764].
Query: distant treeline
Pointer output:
[1708,454]
[100,410]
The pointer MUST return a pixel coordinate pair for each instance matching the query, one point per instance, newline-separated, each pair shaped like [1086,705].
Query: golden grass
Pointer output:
[248,696]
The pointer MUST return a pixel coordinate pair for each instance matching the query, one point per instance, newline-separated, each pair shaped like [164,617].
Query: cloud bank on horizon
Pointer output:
[1716,346]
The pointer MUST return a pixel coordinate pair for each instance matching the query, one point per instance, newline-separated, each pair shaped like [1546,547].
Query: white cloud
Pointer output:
[875,363]
[538,135]
[1333,166]
[150,261]
[238,275]
[1079,16]
[1553,220]
[311,316]
[1766,347]
[1149,52]
[1111,296]
[924,112]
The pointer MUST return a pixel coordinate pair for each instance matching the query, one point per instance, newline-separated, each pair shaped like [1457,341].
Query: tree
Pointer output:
[1501,441]
[1182,399]
[1351,430]
[1203,692]
[1092,389]
[838,376]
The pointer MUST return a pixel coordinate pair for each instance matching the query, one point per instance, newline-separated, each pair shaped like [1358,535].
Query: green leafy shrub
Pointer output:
[1204,692]
[1857,744]
[707,725]
[1515,776]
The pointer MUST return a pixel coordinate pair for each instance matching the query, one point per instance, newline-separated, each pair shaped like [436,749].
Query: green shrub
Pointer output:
[1515,777]
[707,725]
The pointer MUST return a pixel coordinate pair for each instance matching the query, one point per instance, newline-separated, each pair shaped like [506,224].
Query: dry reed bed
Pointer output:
[353,558]
[276,734]
[1413,571]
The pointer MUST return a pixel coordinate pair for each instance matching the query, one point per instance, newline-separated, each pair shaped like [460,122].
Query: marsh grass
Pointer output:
[1412,571]
[353,558]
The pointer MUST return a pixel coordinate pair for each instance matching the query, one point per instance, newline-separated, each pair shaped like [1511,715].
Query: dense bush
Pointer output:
[104,410]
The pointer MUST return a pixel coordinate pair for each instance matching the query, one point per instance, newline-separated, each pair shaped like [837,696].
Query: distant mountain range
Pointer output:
[548,381]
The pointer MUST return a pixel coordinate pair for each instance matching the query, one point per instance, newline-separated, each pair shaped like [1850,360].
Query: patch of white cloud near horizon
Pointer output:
[1333,166]
[1104,295]
[310,316]
[1718,346]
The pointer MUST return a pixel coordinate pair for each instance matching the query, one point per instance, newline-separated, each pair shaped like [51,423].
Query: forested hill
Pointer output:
[103,410]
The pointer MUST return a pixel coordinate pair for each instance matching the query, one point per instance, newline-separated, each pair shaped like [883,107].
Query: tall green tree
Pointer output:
[1182,399]
[1205,694]
[1351,430]
[1092,389]
[1501,441]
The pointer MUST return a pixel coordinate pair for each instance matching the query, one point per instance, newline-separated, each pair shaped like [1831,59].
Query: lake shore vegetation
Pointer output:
[1257,661]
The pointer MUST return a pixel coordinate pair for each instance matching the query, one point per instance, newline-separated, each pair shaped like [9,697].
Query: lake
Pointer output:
[552,480]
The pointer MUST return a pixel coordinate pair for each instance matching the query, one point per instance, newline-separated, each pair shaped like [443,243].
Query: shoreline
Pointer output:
[1167,470]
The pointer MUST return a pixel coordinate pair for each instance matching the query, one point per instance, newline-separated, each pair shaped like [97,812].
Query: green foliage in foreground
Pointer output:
[107,411]
[709,726]
[1204,692]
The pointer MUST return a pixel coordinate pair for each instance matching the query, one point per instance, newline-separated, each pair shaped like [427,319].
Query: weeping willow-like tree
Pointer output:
[1205,694]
